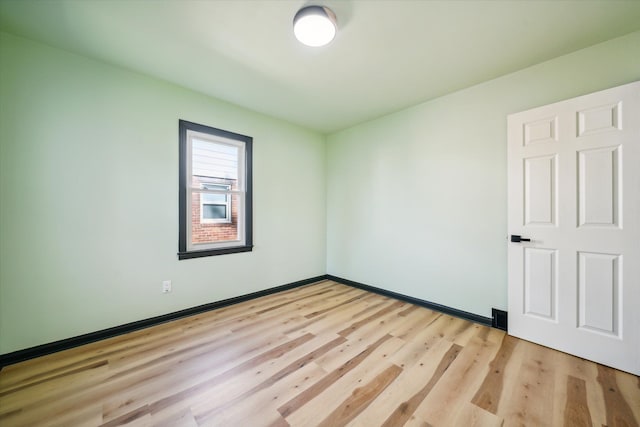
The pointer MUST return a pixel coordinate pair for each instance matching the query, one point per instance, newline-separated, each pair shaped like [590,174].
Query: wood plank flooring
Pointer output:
[319,355]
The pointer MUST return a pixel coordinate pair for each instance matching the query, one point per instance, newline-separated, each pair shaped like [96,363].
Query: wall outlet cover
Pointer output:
[166,286]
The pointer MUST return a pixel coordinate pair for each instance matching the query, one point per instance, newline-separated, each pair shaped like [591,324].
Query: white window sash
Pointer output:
[240,192]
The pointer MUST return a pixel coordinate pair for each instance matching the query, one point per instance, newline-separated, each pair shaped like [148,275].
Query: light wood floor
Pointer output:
[319,355]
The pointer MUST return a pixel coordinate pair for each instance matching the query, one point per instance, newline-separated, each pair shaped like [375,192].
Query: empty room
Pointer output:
[341,213]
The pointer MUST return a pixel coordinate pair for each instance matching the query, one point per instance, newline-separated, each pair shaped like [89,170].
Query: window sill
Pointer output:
[214,252]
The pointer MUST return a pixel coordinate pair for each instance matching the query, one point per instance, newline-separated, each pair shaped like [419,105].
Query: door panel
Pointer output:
[599,299]
[539,190]
[598,186]
[599,119]
[574,190]
[540,282]
[545,130]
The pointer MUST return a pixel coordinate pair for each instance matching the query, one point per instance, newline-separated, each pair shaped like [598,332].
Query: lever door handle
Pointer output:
[517,239]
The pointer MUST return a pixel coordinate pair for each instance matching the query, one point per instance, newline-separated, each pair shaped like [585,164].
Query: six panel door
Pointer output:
[574,191]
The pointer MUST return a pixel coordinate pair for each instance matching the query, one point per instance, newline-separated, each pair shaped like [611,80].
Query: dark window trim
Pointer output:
[214,252]
[183,127]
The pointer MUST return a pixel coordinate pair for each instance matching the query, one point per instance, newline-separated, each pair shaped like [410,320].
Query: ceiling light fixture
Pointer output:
[315,25]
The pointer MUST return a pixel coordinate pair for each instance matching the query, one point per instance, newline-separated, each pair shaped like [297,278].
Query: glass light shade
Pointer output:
[314,25]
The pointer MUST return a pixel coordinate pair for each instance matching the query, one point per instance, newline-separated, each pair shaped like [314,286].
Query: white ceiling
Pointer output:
[387,55]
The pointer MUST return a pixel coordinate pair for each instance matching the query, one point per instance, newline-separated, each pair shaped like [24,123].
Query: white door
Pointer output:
[574,190]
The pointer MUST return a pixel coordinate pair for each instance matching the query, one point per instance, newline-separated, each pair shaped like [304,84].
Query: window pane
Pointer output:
[210,223]
[214,211]
[214,160]
[214,198]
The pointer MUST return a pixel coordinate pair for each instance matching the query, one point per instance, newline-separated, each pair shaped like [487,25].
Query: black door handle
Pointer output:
[517,239]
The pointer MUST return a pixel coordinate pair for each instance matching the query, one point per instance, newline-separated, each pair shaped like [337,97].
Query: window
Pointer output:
[215,207]
[215,192]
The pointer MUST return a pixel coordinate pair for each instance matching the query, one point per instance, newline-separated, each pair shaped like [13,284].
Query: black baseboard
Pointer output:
[65,344]
[428,304]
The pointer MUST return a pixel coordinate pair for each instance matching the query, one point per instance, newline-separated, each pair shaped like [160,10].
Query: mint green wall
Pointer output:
[89,193]
[416,200]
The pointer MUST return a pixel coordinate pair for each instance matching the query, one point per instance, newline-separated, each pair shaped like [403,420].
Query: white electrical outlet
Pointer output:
[166,286]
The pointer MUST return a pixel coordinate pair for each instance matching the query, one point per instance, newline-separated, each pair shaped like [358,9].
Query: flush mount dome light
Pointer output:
[314,25]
